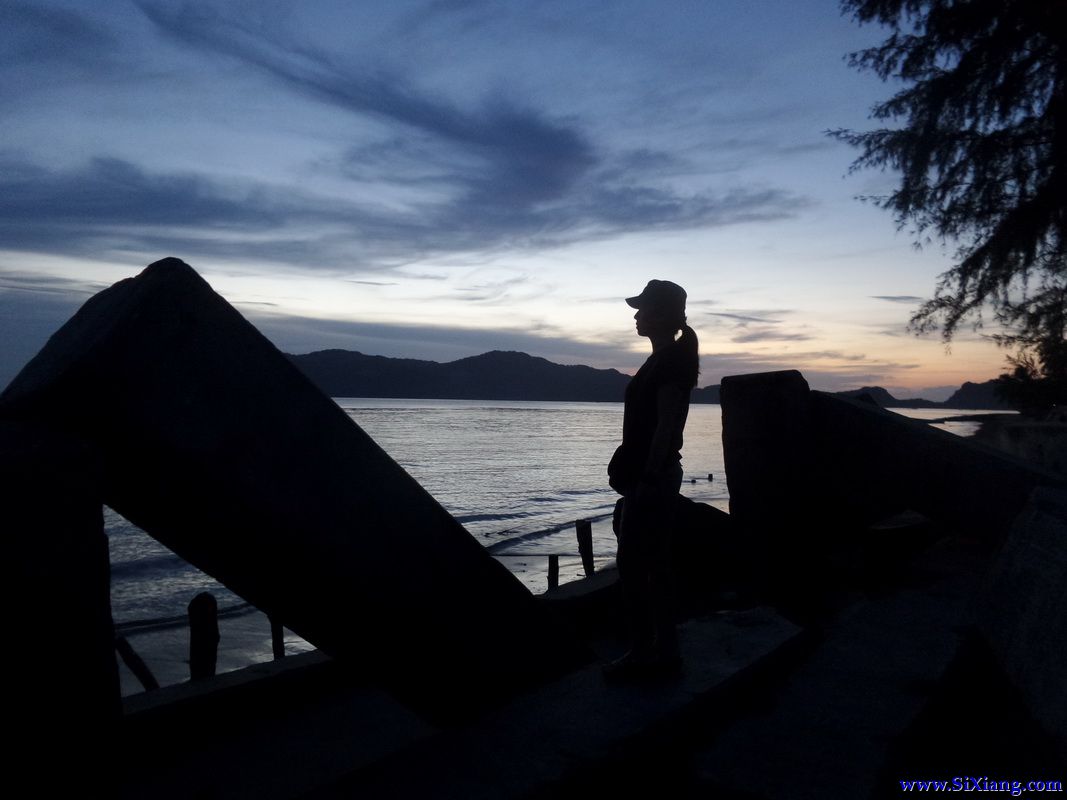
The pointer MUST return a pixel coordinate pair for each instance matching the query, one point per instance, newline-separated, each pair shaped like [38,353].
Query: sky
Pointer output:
[440,178]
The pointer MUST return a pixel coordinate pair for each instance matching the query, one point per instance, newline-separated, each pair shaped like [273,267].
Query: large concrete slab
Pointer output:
[271,731]
[538,744]
[220,448]
[827,731]
[1022,609]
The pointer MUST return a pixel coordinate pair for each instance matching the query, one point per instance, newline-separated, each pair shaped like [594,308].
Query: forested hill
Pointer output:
[497,375]
[500,375]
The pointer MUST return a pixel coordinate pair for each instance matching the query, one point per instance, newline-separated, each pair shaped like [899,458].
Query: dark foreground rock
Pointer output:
[215,444]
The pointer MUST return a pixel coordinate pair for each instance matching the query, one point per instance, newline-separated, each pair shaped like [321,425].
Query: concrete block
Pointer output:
[216,445]
[874,462]
[766,445]
[64,700]
[791,453]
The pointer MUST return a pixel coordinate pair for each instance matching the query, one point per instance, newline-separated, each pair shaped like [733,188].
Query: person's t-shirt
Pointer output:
[670,366]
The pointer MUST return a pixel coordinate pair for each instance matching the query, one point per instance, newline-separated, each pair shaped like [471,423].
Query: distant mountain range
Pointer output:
[500,375]
[969,396]
[497,375]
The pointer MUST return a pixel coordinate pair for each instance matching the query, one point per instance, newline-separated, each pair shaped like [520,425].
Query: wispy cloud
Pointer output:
[110,205]
[490,291]
[768,334]
[499,174]
[110,190]
[898,298]
[36,34]
[757,326]
[761,317]
[482,177]
[831,370]
[37,283]
[32,308]
[526,153]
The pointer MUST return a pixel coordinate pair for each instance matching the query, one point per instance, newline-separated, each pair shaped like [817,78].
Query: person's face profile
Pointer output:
[649,322]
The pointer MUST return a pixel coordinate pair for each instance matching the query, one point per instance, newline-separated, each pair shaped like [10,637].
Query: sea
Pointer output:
[517,475]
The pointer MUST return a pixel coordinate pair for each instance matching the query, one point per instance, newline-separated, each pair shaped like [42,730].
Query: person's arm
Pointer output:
[671,407]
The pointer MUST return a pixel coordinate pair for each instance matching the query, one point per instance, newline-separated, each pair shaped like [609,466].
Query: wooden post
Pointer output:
[553,571]
[277,637]
[136,664]
[203,636]
[584,530]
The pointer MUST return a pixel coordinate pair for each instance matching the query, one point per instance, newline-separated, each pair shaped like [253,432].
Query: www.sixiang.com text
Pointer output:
[1015,788]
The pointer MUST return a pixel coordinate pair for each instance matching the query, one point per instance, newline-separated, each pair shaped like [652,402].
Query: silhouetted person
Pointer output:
[646,470]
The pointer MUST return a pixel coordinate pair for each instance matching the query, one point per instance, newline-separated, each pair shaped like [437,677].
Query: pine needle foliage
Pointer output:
[978,134]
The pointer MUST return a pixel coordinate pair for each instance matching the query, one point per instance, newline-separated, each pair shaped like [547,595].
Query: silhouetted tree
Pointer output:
[980,140]
[1038,379]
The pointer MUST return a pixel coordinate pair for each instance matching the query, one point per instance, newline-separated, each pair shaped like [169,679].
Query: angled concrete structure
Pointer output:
[215,444]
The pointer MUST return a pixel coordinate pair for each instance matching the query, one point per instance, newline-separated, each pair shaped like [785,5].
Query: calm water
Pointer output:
[515,474]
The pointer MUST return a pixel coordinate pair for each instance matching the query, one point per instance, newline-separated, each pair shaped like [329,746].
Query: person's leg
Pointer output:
[661,588]
[661,572]
[634,559]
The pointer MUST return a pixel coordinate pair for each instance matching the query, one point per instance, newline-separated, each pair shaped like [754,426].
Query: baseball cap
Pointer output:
[661,296]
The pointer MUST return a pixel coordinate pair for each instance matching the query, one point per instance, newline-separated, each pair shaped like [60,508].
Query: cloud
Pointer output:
[898,298]
[528,156]
[36,283]
[32,308]
[733,154]
[756,326]
[110,205]
[472,12]
[32,33]
[828,370]
[490,291]
[493,175]
[110,190]
[480,178]
[752,317]
[895,330]
[768,334]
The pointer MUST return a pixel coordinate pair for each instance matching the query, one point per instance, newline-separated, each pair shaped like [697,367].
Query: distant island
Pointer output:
[507,375]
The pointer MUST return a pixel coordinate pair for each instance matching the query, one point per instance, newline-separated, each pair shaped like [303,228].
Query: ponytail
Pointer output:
[691,348]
